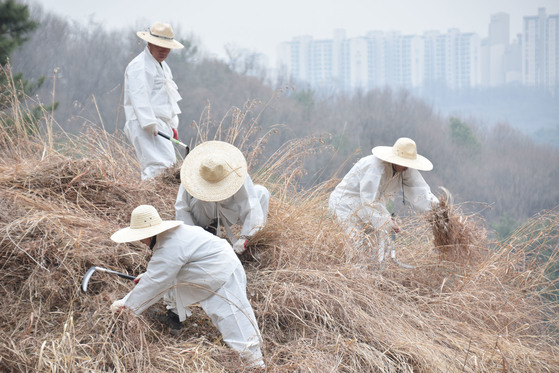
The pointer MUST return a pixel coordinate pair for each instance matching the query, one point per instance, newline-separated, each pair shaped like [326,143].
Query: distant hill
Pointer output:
[534,112]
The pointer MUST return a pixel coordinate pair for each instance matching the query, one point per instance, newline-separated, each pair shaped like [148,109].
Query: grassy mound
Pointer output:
[470,305]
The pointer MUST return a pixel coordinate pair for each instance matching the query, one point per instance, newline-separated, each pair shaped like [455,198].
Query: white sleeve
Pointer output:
[175,122]
[251,214]
[182,207]
[417,191]
[159,277]
[138,86]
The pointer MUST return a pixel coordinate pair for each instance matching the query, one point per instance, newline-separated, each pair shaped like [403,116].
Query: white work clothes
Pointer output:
[150,97]
[360,199]
[199,267]
[248,207]
[234,317]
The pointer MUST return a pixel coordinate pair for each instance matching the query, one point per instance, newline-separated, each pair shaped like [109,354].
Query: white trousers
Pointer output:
[231,313]
[155,153]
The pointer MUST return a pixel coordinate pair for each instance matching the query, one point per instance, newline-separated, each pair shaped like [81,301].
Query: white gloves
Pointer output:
[240,246]
[152,128]
[117,305]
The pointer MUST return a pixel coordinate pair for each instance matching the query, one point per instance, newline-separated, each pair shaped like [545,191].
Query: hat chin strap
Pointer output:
[153,242]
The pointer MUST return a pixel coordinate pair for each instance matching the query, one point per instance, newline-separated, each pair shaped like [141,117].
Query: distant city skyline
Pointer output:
[454,59]
[260,26]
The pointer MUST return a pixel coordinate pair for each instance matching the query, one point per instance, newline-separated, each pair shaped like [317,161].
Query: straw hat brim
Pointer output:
[203,190]
[419,163]
[165,43]
[130,235]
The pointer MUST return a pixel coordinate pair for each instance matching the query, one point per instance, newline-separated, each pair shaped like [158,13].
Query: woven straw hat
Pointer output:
[213,171]
[160,34]
[144,223]
[403,153]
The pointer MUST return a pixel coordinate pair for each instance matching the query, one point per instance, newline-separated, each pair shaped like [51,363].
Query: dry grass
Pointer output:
[457,237]
[470,305]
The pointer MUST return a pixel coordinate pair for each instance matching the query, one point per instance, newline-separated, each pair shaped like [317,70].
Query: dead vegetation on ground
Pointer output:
[471,305]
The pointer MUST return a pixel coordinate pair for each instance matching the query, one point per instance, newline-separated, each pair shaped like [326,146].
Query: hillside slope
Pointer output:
[469,306]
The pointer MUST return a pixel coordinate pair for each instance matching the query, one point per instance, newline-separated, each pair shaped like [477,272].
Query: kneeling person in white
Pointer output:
[197,267]
[216,190]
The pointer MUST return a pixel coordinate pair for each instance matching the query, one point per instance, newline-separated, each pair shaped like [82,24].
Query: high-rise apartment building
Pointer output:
[540,50]
[495,49]
[468,61]
[376,49]
[499,29]
[412,61]
[434,58]
[355,56]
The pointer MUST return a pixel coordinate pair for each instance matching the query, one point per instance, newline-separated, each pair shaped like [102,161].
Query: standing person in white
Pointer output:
[150,101]
[360,200]
[216,191]
[197,267]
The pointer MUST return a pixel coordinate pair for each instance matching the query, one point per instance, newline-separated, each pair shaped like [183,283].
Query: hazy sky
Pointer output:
[260,25]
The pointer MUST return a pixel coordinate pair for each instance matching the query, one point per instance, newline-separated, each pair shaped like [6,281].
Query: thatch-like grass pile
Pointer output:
[457,237]
[319,306]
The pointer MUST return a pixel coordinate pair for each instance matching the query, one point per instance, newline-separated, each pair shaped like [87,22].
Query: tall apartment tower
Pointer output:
[494,50]
[499,29]
[434,62]
[376,48]
[294,57]
[452,59]
[412,61]
[468,61]
[317,63]
[540,50]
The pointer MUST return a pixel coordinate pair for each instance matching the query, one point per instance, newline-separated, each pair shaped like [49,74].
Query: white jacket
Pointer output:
[150,92]
[150,97]
[360,199]
[248,207]
[197,262]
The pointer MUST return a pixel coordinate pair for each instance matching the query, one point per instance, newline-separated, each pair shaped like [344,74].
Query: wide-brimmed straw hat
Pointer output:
[403,153]
[160,34]
[213,171]
[145,222]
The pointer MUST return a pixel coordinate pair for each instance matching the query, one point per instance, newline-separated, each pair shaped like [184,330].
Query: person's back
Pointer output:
[352,183]
[185,254]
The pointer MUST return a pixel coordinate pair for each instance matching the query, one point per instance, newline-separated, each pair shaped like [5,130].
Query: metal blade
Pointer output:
[86,278]
[408,266]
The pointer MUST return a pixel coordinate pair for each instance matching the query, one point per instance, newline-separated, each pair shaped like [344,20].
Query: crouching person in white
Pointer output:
[197,267]
[360,201]
[216,191]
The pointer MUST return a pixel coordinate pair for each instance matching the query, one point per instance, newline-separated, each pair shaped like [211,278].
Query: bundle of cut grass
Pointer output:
[458,238]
